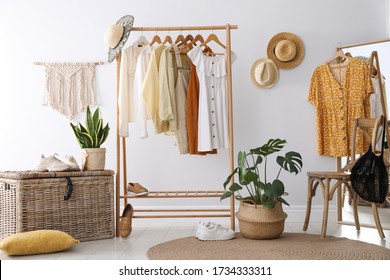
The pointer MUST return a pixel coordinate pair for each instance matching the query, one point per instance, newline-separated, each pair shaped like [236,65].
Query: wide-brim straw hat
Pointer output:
[286,50]
[116,36]
[264,73]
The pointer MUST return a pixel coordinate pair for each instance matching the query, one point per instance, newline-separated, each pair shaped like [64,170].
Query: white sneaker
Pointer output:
[202,225]
[71,161]
[51,163]
[215,232]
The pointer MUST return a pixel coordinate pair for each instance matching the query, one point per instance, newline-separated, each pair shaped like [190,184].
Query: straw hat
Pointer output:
[264,73]
[286,50]
[116,36]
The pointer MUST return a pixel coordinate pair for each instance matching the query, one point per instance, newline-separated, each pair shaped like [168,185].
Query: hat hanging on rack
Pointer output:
[286,50]
[264,73]
[116,36]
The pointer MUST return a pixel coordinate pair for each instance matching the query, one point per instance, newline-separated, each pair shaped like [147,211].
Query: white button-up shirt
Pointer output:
[213,129]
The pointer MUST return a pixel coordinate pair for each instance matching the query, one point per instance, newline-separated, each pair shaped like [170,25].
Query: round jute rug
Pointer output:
[290,246]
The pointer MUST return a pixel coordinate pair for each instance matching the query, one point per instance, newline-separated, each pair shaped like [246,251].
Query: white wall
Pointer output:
[72,30]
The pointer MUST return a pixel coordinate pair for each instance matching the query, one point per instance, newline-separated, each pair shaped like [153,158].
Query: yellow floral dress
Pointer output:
[340,95]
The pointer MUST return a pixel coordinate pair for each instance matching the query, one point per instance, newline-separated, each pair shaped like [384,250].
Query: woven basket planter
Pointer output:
[258,222]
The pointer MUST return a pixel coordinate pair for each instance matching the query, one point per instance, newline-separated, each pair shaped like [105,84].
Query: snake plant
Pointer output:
[93,134]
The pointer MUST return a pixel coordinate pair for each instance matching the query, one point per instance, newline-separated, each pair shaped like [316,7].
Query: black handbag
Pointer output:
[369,177]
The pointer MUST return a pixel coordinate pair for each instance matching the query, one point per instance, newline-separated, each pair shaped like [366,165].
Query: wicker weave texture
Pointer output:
[8,208]
[39,203]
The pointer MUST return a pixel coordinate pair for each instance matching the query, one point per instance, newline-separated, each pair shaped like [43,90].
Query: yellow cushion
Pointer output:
[37,242]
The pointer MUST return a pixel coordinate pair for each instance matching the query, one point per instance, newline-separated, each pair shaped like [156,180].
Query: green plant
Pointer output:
[261,191]
[93,134]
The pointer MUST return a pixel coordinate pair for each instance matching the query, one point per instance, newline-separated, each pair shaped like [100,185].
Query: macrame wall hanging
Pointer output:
[69,87]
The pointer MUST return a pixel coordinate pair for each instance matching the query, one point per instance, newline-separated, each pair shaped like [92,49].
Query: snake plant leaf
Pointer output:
[229,178]
[291,162]
[88,120]
[87,139]
[93,135]
[226,195]
[77,132]
[103,134]
[82,128]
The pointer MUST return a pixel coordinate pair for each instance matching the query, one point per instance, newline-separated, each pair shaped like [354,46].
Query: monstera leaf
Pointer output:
[291,162]
[272,146]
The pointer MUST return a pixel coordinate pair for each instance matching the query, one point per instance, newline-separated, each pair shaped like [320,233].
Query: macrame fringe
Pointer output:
[69,87]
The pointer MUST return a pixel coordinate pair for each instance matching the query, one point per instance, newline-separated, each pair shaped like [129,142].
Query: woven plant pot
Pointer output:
[258,222]
[93,159]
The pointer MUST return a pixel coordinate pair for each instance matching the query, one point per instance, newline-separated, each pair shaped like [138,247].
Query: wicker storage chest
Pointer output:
[79,203]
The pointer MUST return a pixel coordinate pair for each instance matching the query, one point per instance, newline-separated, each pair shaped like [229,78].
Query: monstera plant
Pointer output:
[260,214]
[252,174]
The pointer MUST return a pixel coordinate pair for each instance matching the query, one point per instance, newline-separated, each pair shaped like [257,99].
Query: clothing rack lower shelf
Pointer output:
[178,194]
[188,213]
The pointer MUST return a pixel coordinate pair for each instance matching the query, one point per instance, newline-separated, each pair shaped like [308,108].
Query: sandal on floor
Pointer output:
[137,189]
[125,222]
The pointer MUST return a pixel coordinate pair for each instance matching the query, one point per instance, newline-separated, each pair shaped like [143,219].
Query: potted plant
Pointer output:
[90,137]
[260,214]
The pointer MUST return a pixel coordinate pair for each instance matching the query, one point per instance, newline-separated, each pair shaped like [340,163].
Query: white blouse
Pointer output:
[213,130]
[126,83]
[139,76]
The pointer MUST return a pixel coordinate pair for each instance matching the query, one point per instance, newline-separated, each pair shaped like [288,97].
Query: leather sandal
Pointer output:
[125,222]
[137,189]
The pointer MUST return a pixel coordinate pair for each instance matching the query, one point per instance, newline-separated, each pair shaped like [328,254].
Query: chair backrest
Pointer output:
[372,129]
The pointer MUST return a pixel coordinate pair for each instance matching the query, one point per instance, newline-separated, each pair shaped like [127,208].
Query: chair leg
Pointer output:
[308,206]
[355,210]
[326,208]
[377,220]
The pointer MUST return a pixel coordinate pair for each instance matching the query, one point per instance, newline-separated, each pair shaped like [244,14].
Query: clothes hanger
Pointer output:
[186,45]
[142,41]
[338,55]
[198,38]
[155,39]
[212,37]
[167,39]
[180,39]
[188,38]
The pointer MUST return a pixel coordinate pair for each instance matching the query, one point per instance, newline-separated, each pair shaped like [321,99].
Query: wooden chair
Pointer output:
[330,181]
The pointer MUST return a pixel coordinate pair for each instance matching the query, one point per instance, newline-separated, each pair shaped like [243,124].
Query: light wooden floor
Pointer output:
[147,233]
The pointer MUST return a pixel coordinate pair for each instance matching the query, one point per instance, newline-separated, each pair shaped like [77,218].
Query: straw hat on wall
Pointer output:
[116,36]
[264,73]
[286,50]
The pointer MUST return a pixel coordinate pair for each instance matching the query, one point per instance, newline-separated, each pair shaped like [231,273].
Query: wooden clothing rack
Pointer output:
[175,194]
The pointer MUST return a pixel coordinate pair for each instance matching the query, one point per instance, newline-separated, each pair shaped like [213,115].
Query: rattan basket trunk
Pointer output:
[36,200]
